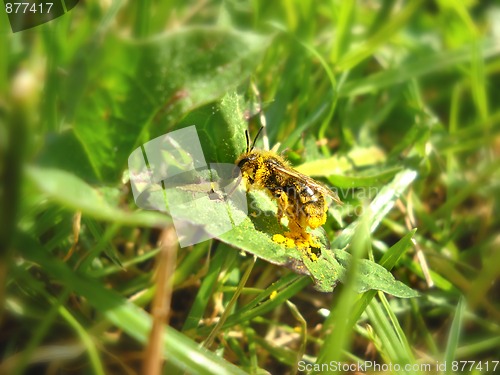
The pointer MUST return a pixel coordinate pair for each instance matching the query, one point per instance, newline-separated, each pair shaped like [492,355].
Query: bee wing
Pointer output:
[327,191]
[310,181]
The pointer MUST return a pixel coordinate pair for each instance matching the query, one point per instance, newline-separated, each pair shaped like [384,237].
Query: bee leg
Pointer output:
[300,228]
[279,214]
[295,228]
[282,203]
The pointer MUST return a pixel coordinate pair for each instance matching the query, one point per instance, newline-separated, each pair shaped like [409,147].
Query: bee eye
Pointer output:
[242,162]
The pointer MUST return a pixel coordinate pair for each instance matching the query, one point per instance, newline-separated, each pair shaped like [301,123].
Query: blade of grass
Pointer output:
[303,334]
[210,339]
[205,292]
[259,306]
[454,335]
[343,29]
[402,347]
[415,68]
[161,307]
[43,328]
[87,341]
[368,47]
[392,351]
[337,323]
[388,261]
[380,206]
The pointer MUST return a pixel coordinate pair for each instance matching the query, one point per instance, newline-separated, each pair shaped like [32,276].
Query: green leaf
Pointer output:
[221,128]
[74,194]
[253,233]
[364,179]
[164,77]
[65,151]
[455,331]
[361,156]
[374,276]
[334,168]
[394,253]
[388,261]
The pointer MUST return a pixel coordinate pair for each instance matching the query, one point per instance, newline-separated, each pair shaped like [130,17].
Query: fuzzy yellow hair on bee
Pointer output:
[299,197]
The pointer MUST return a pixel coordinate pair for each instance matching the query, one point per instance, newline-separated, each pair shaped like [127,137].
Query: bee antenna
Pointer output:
[257,136]
[248,140]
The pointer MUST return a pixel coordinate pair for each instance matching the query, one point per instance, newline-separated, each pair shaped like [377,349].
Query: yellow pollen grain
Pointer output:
[279,238]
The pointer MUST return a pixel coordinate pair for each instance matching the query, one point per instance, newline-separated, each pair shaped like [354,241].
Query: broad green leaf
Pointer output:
[221,128]
[65,151]
[373,276]
[253,233]
[74,194]
[165,77]
[388,261]
[358,157]
[364,179]
[334,168]
[215,213]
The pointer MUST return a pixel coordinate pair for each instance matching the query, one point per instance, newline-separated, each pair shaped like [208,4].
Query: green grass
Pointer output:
[393,102]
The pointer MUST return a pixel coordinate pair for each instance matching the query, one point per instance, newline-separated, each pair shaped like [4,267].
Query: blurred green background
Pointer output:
[354,91]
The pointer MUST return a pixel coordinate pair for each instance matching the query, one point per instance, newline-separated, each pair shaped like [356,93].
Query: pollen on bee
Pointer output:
[282,240]
[279,238]
[299,241]
[316,221]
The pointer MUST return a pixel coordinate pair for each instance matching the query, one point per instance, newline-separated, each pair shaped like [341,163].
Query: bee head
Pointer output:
[246,161]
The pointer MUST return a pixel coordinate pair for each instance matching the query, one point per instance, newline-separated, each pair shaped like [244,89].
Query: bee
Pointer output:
[299,197]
